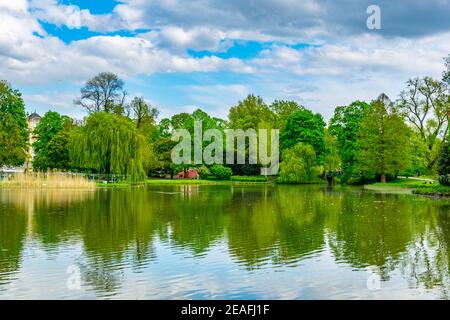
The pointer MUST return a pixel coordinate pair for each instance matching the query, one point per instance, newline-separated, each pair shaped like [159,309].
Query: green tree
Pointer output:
[418,155]
[282,109]
[304,126]
[142,112]
[383,140]
[12,153]
[13,126]
[162,149]
[344,126]
[181,121]
[144,115]
[50,125]
[249,113]
[425,104]
[103,93]
[253,113]
[164,128]
[187,121]
[332,160]
[443,164]
[58,151]
[108,143]
[299,164]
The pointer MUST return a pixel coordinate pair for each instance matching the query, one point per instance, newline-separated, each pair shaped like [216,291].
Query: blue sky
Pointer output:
[182,55]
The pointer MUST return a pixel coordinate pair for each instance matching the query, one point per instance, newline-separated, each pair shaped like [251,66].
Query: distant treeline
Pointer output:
[364,141]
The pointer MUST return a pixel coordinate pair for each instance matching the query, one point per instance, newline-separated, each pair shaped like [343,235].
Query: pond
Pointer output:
[223,242]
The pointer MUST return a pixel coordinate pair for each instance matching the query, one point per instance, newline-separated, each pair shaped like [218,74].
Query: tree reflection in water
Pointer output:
[259,226]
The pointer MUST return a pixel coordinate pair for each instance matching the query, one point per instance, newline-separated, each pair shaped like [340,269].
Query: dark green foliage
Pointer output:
[306,127]
[220,172]
[433,190]
[162,149]
[58,151]
[12,153]
[181,121]
[13,126]
[250,113]
[51,125]
[246,169]
[443,164]
[164,128]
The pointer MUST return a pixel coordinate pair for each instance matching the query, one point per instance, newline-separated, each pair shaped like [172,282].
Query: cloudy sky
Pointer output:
[184,54]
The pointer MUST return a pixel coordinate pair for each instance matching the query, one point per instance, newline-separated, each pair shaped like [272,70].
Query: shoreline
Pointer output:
[419,187]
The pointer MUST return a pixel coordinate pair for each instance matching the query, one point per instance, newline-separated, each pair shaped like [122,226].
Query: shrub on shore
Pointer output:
[433,190]
[220,172]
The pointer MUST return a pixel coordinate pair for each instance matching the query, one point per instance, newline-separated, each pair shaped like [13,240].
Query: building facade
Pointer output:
[33,121]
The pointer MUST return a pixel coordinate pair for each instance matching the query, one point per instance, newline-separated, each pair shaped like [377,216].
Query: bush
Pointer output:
[443,164]
[220,172]
[444,180]
[204,172]
[433,190]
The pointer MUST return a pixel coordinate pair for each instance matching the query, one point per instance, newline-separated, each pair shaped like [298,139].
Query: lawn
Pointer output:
[234,180]
[414,185]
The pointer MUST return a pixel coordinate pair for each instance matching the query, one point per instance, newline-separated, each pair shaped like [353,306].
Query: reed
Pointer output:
[47,180]
[29,198]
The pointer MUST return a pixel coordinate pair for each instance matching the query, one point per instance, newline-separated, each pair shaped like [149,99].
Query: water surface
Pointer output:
[223,242]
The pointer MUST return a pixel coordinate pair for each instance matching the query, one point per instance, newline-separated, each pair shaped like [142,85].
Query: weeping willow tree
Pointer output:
[109,143]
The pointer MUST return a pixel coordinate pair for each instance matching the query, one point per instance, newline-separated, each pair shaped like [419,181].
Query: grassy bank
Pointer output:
[235,180]
[433,190]
[416,186]
[113,184]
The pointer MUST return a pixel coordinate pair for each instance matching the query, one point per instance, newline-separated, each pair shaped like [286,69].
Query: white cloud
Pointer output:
[179,39]
[336,71]
[361,57]
[54,100]
[73,17]
[17,6]
[217,98]
[29,58]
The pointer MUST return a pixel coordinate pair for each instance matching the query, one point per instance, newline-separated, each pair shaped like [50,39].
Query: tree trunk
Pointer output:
[383,177]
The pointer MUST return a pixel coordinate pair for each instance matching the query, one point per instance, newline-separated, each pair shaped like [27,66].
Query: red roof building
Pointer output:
[187,174]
